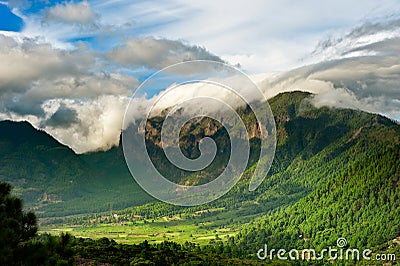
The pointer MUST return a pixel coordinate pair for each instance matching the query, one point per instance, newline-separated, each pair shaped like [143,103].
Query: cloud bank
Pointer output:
[78,95]
[363,71]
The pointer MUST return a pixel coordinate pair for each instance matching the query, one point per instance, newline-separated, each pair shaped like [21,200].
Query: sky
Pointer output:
[70,67]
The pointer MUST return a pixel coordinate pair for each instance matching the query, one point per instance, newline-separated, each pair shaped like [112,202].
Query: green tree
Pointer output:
[16,226]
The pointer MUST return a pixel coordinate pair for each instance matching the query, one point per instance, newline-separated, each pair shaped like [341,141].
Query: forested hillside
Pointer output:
[335,174]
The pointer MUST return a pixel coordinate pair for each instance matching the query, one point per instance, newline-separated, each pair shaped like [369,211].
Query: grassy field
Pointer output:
[173,229]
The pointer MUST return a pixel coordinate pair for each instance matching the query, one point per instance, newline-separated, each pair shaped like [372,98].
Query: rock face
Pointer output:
[198,128]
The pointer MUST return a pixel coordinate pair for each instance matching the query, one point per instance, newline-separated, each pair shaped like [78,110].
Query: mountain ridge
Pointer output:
[105,182]
[335,174]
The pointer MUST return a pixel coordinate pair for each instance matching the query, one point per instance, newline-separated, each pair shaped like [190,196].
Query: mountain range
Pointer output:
[335,173]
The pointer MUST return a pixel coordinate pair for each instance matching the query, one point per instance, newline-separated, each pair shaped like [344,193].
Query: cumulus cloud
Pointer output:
[72,13]
[155,53]
[25,61]
[31,72]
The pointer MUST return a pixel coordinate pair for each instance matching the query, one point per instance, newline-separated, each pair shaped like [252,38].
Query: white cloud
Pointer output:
[26,61]
[33,72]
[368,83]
[156,53]
[70,13]
[94,125]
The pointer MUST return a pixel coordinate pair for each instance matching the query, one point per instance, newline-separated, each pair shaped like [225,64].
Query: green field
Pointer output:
[175,229]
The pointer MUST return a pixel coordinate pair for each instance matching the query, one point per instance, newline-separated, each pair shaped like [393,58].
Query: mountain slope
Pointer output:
[314,147]
[54,181]
[335,174]
[38,166]
[356,196]
[343,167]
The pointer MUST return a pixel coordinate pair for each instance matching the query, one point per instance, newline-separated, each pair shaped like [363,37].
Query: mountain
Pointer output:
[41,169]
[54,181]
[343,168]
[319,151]
[335,174]
[314,145]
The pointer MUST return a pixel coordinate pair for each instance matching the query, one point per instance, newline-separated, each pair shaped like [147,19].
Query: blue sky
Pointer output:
[9,21]
[85,58]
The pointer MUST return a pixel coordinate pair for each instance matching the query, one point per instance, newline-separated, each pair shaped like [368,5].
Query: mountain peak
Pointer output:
[18,132]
